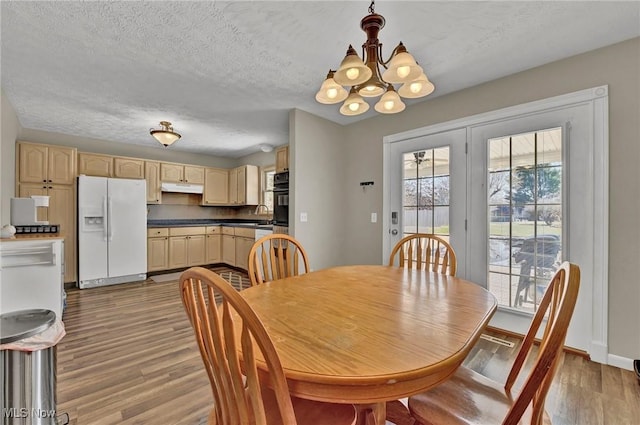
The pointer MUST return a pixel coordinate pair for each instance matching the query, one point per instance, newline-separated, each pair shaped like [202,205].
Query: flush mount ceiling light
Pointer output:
[365,79]
[166,135]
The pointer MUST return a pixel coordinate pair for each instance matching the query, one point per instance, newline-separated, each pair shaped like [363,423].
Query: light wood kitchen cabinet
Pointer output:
[213,249]
[282,159]
[244,240]
[39,163]
[93,164]
[179,173]
[61,211]
[193,174]
[216,184]
[228,246]
[244,185]
[157,249]
[152,176]
[128,168]
[171,172]
[186,246]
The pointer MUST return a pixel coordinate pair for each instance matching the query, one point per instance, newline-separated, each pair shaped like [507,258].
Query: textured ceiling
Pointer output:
[227,73]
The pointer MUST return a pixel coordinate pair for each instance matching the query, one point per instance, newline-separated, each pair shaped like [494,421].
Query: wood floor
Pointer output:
[129,357]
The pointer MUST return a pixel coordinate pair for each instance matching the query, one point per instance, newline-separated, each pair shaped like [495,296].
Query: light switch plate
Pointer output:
[303,217]
[374,217]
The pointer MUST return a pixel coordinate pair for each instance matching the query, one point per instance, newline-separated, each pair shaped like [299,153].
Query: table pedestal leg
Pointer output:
[372,414]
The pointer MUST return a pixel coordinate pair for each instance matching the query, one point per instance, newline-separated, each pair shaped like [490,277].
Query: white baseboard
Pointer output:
[599,353]
[621,362]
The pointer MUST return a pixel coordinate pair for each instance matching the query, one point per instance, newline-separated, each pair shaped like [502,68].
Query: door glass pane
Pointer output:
[426,197]
[525,216]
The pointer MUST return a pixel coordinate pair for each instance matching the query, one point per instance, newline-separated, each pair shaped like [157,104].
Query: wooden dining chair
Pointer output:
[470,398]
[276,256]
[243,393]
[424,251]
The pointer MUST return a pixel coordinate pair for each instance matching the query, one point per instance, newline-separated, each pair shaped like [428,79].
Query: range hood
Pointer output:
[182,187]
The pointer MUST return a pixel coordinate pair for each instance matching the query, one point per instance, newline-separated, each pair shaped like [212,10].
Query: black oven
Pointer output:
[281,199]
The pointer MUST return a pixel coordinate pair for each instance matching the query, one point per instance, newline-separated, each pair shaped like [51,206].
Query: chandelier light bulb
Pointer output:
[354,105]
[330,92]
[390,102]
[415,87]
[402,67]
[352,73]
[403,71]
[353,70]
[419,87]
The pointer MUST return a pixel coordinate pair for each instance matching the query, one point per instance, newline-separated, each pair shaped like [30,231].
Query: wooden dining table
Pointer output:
[369,334]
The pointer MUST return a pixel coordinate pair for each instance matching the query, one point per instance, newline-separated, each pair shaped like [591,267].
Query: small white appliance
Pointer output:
[24,211]
[112,231]
[32,275]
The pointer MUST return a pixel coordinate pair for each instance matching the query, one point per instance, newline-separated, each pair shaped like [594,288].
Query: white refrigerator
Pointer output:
[112,231]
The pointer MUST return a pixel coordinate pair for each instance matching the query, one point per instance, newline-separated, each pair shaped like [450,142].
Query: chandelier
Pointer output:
[166,135]
[365,79]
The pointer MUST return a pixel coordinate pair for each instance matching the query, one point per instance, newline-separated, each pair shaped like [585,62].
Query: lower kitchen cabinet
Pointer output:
[213,249]
[181,247]
[228,246]
[186,251]
[245,239]
[157,249]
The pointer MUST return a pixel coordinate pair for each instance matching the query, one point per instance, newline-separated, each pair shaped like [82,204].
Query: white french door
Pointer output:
[527,189]
[429,175]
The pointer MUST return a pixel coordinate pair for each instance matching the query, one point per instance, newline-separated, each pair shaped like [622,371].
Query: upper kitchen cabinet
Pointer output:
[178,173]
[39,163]
[152,175]
[282,159]
[128,168]
[216,187]
[244,185]
[93,164]
[193,174]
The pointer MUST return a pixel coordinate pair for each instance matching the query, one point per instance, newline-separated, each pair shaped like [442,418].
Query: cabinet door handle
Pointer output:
[44,181]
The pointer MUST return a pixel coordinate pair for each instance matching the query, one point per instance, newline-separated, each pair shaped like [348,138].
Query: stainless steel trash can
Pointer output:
[28,377]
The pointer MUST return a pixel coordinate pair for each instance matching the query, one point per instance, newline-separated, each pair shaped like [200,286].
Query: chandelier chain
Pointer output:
[372,7]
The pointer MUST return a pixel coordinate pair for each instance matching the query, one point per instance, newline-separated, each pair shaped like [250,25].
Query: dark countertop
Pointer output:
[261,224]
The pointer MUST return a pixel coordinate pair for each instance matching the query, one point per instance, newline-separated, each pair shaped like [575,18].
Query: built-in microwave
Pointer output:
[281,180]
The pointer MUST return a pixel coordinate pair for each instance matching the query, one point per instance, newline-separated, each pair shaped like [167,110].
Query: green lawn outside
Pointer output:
[524,229]
[519,229]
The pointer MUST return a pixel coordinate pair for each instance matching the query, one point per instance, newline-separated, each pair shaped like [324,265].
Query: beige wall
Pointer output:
[10,130]
[317,173]
[617,66]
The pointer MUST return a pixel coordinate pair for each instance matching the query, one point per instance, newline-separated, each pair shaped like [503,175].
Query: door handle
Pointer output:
[394,232]
[104,218]
[109,214]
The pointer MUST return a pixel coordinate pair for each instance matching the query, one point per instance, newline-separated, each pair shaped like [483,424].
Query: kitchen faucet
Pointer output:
[258,209]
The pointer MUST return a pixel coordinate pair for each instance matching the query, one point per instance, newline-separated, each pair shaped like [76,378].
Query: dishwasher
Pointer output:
[32,275]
